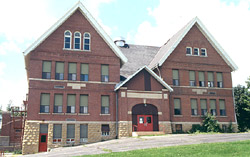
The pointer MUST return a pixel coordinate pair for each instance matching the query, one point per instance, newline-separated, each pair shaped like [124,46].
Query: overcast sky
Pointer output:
[144,22]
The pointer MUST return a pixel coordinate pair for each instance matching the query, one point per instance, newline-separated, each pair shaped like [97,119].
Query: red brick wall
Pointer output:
[213,62]
[52,49]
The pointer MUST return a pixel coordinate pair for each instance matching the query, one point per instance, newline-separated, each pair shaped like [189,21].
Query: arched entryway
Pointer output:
[145,117]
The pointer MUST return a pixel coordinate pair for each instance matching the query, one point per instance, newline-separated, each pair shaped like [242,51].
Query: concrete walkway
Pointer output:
[127,144]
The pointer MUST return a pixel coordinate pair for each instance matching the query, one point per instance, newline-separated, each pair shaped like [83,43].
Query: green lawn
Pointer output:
[241,148]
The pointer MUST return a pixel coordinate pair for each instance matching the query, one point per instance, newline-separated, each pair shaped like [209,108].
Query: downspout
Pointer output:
[116,128]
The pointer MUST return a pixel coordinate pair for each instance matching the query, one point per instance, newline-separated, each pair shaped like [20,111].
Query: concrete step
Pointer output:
[147,133]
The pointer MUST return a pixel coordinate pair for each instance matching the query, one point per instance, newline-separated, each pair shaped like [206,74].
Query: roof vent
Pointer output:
[120,41]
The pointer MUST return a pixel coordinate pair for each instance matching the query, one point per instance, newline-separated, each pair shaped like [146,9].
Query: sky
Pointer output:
[143,22]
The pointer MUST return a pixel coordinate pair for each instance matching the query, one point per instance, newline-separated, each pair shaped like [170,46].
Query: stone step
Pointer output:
[147,133]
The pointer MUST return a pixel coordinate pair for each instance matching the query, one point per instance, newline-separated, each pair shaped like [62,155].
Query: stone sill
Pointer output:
[44,113]
[70,113]
[196,116]
[83,114]
[221,116]
[104,114]
[178,115]
[57,113]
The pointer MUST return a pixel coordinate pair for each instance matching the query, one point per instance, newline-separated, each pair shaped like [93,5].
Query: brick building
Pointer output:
[84,88]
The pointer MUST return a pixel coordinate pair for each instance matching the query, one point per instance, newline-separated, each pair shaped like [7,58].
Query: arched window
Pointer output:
[67,39]
[77,40]
[86,41]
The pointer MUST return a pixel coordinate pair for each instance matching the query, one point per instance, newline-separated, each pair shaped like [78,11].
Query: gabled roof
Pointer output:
[163,83]
[138,56]
[92,21]
[173,42]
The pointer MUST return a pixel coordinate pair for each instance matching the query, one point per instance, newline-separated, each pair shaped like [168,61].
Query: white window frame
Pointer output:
[191,53]
[79,41]
[70,36]
[84,41]
[205,52]
[198,51]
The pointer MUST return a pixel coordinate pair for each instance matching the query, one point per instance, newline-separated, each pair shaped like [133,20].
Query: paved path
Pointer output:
[126,144]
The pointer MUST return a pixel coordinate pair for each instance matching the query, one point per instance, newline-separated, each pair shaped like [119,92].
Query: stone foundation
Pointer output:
[125,129]
[32,132]
[165,127]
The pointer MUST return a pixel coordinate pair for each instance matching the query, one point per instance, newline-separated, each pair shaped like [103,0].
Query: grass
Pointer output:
[237,149]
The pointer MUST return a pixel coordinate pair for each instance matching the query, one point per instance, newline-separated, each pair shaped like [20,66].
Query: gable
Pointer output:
[144,80]
[167,49]
[194,39]
[79,8]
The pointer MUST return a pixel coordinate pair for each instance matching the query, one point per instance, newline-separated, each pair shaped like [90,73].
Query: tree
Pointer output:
[242,106]
[210,124]
[8,108]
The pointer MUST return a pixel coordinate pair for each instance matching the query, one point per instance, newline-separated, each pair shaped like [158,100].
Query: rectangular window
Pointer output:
[70,133]
[105,130]
[201,79]
[222,108]
[57,133]
[43,128]
[196,51]
[59,70]
[72,72]
[203,52]
[84,104]
[104,73]
[175,77]
[188,50]
[45,101]
[177,107]
[84,72]
[213,107]
[219,80]
[178,128]
[105,104]
[71,103]
[46,74]
[58,103]
[192,81]
[210,79]
[83,133]
[194,107]
[203,106]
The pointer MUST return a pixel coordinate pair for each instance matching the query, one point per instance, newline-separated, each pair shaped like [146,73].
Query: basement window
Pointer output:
[105,130]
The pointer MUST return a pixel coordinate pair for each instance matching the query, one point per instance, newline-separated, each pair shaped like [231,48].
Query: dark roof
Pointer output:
[138,56]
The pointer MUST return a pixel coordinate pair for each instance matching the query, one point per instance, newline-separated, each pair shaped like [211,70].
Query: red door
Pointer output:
[144,123]
[43,142]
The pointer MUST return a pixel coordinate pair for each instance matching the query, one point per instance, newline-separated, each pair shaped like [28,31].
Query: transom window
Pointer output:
[86,41]
[77,40]
[67,40]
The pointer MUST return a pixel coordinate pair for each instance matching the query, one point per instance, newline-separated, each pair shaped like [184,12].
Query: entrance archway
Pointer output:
[145,117]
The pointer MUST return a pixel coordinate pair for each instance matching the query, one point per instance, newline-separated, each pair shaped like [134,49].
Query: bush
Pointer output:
[210,124]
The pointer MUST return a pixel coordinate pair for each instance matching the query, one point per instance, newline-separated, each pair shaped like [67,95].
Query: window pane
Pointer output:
[105,69]
[84,69]
[44,128]
[105,101]
[222,104]
[219,77]
[70,131]
[191,75]
[210,76]
[57,131]
[176,74]
[83,100]
[46,66]
[203,104]
[58,99]
[45,99]
[59,67]
[177,103]
[193,103]
[71,100]
[201,76]
[83,131]
[72,68]
[212,104]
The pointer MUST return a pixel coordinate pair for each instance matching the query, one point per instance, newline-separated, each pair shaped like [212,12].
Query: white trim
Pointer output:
[92,21]
[210,38]
[160,80]
[75,41]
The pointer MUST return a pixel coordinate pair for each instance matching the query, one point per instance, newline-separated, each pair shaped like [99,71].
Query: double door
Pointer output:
[144,123]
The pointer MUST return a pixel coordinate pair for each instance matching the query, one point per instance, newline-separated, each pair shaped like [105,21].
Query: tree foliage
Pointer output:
[242,106]
[210,124]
